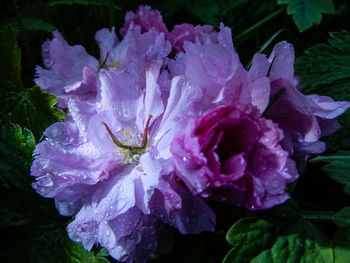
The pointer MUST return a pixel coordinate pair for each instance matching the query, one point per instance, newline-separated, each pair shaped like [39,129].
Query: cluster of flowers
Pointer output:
[163,121]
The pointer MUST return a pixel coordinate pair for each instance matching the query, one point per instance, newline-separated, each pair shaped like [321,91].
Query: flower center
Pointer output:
[111,64]
[132,145]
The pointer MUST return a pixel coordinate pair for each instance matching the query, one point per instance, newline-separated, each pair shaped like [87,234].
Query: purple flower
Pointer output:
[69,69]
[303,119]
[146,18]
[136,153]
[187,32]
[71,72]
[232,155]
[109,163]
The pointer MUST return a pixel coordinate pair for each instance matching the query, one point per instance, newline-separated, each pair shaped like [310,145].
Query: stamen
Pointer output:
[114,138]
[145,133]
[114,64]
[103,64]
[132,148]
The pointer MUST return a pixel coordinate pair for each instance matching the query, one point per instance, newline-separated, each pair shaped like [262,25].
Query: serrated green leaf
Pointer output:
[326,67]
[261,240]
[342,218]
[36,110]
[28,23]
[341,245]
[16,148]
[20,204]
[31,108]
[308,12]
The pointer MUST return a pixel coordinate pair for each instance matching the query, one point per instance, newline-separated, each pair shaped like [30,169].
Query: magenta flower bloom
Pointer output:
[232,155]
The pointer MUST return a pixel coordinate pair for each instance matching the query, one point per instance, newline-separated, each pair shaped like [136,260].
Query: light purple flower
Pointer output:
[187,32]
[232,155]
[303,119]
[109,164]
[68,69]
[71,71]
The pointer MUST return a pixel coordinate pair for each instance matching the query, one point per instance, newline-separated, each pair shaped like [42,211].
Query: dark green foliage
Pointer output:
[16,148]
[308,12]
[31,108]
[325,64]
[341,243]
[337,167]
[268,240]
[27,23]
[342,218]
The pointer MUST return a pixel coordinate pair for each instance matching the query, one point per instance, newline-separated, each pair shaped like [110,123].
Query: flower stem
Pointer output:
[251,29]
[318,215]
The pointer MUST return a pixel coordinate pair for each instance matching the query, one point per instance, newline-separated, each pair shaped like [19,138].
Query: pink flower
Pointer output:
[187,32]
[232,155]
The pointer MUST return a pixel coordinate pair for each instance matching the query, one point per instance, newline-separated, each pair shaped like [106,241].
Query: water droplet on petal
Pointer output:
[138,237]
[48,63]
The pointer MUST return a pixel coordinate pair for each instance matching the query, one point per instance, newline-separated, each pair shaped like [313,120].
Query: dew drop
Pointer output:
[138,237]
[48,63]
[46,180]
[108,232]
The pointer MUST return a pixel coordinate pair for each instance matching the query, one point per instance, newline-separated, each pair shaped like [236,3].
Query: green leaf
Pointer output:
[308,12]
[16,148]
[261,240]
[76,253]
[46,244]
[31,108]
[338,167]
[341,243]
[342,218]
[28,23]
[20,204]
[36,110]
[326,67]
